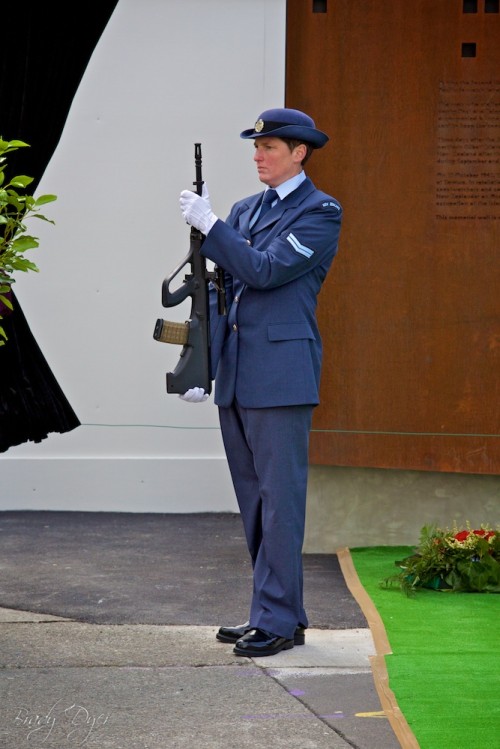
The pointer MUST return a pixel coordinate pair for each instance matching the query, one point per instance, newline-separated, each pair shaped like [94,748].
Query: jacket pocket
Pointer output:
[289,331]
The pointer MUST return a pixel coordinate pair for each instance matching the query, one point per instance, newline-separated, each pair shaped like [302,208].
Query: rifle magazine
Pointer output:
[171,332]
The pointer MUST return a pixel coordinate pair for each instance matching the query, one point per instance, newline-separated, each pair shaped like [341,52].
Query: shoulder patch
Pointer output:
[331,204]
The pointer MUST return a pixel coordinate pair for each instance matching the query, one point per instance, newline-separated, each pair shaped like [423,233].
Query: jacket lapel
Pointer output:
[246,214]
[282,206]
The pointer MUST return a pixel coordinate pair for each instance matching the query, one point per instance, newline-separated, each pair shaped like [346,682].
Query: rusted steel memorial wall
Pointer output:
[409,92]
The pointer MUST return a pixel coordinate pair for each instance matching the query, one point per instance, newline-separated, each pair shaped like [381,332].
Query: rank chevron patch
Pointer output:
[300,248]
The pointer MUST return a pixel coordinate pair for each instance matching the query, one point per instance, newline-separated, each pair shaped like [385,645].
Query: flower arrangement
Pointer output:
[454,560]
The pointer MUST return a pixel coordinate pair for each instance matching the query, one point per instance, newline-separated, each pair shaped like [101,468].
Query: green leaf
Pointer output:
[12,145]
[22,180]
[44,199]
[20,263]
[6,301]
[43,218]
[24,242]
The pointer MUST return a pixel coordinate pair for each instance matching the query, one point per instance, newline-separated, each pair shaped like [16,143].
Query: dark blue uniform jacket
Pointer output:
[267,351]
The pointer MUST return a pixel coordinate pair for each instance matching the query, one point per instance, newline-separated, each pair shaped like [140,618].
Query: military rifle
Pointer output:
[193,368]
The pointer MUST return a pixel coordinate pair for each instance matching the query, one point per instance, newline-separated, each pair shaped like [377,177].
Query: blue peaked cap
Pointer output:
[287,123]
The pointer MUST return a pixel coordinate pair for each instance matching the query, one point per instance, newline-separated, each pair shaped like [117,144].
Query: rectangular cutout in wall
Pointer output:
[469,6]
[319,6]
[491,6]
[468,49]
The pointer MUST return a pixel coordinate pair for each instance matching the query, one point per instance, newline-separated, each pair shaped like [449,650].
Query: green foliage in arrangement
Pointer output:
[16,205]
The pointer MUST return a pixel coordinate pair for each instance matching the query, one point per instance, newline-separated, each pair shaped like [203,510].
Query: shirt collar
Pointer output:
[290,185]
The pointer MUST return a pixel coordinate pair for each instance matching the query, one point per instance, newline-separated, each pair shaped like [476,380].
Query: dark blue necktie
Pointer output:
[269,197]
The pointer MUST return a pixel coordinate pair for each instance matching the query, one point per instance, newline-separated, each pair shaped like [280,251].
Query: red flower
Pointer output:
[485,534]
[463,535]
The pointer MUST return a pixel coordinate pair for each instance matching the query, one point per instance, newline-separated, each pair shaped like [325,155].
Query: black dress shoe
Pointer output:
[232,634]
[258,642]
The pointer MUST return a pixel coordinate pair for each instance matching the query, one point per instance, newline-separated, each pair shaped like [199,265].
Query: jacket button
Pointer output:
[236,299]
[235,327]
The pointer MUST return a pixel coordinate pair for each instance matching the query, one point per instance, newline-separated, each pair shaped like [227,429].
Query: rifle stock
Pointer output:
[193,368]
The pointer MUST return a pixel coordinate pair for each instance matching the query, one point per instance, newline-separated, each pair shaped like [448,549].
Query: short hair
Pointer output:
[294,142]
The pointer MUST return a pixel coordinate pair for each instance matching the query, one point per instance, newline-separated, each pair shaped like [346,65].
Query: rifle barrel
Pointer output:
[197,165]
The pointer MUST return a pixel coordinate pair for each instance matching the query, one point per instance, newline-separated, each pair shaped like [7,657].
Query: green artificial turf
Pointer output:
[444,669]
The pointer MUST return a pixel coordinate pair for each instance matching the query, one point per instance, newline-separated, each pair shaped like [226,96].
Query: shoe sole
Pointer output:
[259,653]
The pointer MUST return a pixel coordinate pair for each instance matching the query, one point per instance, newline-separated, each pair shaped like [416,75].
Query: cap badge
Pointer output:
[259,126]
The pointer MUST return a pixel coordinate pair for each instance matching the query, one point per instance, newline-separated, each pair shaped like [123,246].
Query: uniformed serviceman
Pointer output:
[276,248]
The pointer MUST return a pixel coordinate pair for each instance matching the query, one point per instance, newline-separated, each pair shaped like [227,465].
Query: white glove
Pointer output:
[194,395]
[197,210]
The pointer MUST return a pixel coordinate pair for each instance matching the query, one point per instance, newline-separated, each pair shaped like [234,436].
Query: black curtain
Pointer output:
[43,56]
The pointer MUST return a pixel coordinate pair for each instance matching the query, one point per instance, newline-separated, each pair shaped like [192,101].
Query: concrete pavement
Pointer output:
[65,684]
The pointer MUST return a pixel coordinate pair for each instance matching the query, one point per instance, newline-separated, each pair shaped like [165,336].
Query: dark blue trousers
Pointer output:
[267,452]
